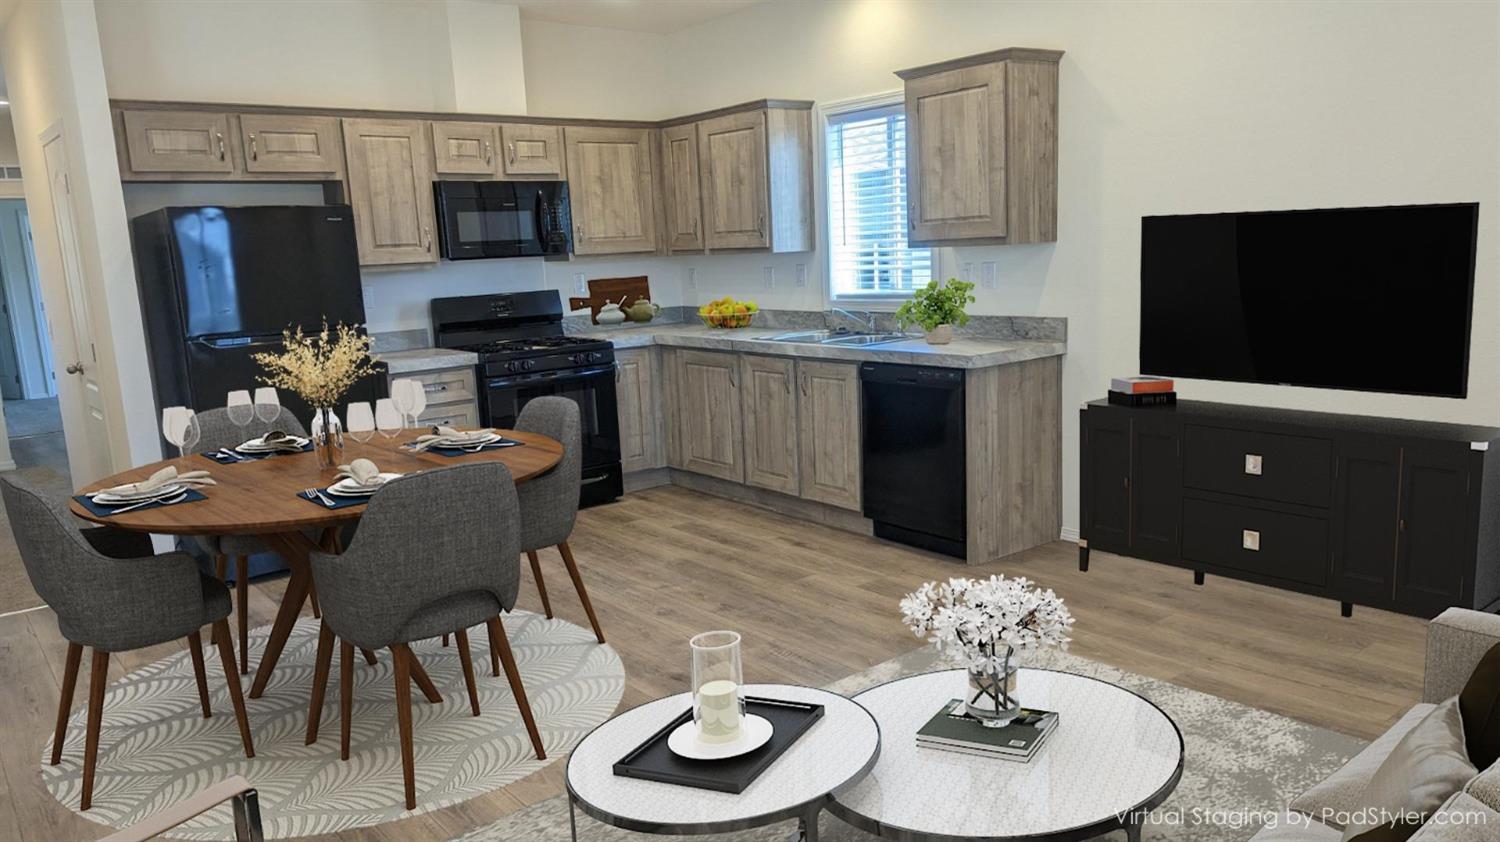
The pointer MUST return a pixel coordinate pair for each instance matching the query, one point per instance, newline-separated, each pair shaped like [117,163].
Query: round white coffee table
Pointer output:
[838,750]
[1113,758]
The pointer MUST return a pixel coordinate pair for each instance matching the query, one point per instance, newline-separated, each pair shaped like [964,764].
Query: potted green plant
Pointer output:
[937,308]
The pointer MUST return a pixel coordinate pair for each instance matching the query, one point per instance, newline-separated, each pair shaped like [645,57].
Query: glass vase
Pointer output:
[327,437]
[718,686]
[991,696]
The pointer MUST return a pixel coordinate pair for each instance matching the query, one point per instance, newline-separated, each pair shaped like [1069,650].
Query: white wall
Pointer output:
[8,154]
[1165,108]
[587,71]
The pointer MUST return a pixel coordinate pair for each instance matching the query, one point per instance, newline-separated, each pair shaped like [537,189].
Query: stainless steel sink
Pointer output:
[807,336]
[860,339]
[835,337]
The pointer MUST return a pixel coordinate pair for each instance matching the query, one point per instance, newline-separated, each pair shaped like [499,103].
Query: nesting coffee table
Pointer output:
[1113,758]
[838,750]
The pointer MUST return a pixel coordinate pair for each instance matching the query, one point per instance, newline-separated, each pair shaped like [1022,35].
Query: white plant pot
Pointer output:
[940,335]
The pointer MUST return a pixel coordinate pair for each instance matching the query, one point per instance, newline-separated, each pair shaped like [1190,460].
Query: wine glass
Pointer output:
[179,425]
[267,404]
[240,408]
[387,418]
[402,396]
[361,420]
[418,400]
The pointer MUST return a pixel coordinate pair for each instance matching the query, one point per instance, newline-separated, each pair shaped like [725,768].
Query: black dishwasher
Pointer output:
[914,474]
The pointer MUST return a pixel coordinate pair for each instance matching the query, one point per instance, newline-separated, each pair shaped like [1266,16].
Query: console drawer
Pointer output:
[1270,466]
[1285,546]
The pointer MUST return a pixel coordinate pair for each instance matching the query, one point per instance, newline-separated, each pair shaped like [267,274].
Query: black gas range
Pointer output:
[523,354]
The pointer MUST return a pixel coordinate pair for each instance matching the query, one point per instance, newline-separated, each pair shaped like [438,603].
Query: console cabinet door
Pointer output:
[955,154]
[828,432]
[1366,500]
[1434,553]
[291,143]
[769,398]
[464,148]
[531,151]
[736,192]
[1106,480]
[681,188]
[178,141]
[708,414]
[611,185]
[390,189]
[636,391]
[1155,489]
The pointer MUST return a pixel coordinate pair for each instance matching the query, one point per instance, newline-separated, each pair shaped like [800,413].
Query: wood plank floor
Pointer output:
[814,605]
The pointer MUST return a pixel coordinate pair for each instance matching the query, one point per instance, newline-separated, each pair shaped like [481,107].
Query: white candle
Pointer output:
[719,712]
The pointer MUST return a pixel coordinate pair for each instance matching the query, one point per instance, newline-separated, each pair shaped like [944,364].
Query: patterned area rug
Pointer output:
[156,748]
[1242,765]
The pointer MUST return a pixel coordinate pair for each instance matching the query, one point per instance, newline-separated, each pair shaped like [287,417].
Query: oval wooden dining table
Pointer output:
[259,498]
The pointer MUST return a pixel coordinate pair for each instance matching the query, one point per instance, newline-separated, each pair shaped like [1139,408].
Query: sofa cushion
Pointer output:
[1292,826]
[1479,702]
[1425,769]
[1338,794]
[1485,787]
[1463,819]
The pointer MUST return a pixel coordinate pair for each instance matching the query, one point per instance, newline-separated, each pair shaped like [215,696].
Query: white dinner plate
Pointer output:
[104,498]
[347,487]
[288,445]
[755,732]
[462,443]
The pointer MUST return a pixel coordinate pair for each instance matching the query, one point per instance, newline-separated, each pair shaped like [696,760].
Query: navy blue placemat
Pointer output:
[451,452]
[338,502]
[252,457]
[106,511]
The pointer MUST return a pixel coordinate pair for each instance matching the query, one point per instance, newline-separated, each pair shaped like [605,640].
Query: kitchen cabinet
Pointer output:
[755,177]
[681,194]
[291,143]
[612,189]
[769,400]
[981,149]
[531,151]
[178,142]
[452,400]
[464,148]
[390,189]
[638,393]
[828,432]
[709,426]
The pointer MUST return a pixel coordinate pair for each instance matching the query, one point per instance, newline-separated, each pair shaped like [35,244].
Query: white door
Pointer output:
[82,399]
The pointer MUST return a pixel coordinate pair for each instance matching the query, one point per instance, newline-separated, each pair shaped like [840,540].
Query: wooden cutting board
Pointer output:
[610,290]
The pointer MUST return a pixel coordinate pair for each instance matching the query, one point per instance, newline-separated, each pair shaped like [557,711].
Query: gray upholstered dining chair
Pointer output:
[112,594]
[549,503]
[422,564]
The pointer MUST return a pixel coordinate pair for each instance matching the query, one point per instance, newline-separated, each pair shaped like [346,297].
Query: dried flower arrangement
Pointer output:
[319,368]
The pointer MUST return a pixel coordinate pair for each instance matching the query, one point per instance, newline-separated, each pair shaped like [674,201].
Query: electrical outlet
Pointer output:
[987,274]
[580,283]
[969,272]
[692,277]
[801,274]
[770,275]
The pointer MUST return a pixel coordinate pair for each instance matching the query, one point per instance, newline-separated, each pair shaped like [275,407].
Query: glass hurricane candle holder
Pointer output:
[718,686]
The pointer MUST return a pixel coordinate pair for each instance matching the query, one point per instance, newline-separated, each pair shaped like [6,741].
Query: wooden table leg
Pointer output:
[293,547]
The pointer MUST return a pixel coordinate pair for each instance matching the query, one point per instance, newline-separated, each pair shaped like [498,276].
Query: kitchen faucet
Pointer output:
[868,318]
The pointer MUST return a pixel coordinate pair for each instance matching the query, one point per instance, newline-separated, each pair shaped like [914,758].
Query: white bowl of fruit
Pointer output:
[728,313]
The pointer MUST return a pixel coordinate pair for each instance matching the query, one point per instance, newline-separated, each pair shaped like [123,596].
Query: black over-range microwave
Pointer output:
[503,219]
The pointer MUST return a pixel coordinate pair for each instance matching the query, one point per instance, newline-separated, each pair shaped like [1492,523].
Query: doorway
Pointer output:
[28,385]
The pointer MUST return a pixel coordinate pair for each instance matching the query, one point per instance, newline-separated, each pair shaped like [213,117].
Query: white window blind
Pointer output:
[869,255]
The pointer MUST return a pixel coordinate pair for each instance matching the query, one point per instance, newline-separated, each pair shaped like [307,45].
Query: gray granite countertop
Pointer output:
[426,359]
[961,353]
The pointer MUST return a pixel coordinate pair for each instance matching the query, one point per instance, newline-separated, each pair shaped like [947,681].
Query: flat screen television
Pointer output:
[1370,299]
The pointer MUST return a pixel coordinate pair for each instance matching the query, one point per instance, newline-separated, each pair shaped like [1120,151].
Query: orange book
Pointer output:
[1140,385]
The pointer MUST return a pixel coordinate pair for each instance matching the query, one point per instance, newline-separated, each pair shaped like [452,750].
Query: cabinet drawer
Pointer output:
[447,386]
[459,415]
[1277,544]
[1270,466]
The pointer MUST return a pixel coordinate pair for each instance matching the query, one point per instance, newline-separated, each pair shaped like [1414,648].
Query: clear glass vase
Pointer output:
[991,696]
[718,686]
[327,437]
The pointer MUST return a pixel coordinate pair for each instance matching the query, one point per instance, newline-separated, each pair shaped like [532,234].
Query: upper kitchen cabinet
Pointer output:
[390,189]
[291,143]
[611,185]
[460,148]
[178,142]
[680,188]
[497,150]
[531,151]
[981,148]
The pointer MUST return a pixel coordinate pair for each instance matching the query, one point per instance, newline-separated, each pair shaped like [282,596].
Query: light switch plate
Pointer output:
[968,273]
[770,275]
[1250,539]
[580,283]
[1252,464]
[987,274]
[692,277]
[801,274]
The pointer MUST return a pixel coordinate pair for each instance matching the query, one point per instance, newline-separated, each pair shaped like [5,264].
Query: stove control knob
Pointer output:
[511,366]
[576,359]
[528,364]
[595,356]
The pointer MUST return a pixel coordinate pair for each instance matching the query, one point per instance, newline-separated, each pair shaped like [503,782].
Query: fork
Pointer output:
[231,454]
[313,493]
[144,503]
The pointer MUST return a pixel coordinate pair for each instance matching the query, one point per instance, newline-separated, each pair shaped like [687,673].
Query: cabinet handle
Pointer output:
[219,136]
[1401,524]
[489,157]
[734,382]
[513,152]
[617,371]
[1250,540]
[254,155]
[804,384]
[580,232]
[760,225]
[1127,483]
[911,216]
[436,387]
[427,237]
[1253,464]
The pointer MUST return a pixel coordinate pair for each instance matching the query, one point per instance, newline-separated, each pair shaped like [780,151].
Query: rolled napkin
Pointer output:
[165,476]
[442,435]
[362,471]
[279,440]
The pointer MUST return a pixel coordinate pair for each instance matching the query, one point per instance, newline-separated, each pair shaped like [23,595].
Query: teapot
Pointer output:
[610,314]
[642,310]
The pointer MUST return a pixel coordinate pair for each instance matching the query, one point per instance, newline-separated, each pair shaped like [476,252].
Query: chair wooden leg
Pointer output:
[242,607]
[65,702]
[98,675]
[401,656]
[195,649]
[346,695]
[583,594]
[320,682]
[499,641]
[221,570]
[419,675]
[445,640]
[468,664]
[312,594]
[494,651]
[369,657]
[232,678]
[541,585]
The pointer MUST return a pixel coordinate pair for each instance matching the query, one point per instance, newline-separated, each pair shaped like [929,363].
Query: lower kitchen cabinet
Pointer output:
[452,400]
[709,426]
[828,435]
[637,393]
[769,402]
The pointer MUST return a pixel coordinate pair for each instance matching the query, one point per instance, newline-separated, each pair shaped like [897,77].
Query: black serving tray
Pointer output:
[652,760]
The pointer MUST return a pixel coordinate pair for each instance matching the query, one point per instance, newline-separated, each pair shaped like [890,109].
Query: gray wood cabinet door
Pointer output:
[531,151]
[955,154]
[708,414]
[736,192]
[465,148]
[768,395]
[828,432]
[681,191]
[178,141]
[611,186]
[390,189]
[637,394]
[291,143]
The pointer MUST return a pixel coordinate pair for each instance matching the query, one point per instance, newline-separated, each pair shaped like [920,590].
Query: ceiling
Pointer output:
[659,16]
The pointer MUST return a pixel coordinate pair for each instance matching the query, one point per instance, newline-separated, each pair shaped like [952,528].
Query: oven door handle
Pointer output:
[545,377]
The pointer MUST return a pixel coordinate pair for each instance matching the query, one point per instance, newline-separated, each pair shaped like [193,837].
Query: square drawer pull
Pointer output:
[1252,464]
[1250,540]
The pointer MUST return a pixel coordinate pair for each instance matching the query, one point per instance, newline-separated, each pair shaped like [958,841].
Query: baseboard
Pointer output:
[649,478]
[1069,534]
[8,465]
[808,510]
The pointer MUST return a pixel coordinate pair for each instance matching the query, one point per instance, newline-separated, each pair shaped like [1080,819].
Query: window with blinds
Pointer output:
[868,253]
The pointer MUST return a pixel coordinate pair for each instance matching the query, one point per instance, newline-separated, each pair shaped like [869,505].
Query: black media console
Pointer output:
[1401,515]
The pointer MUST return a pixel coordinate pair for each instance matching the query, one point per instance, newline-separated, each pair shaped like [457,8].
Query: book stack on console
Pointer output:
[1142,391]
[951,729]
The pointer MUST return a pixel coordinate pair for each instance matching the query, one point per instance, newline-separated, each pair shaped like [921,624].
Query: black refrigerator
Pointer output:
[219,284]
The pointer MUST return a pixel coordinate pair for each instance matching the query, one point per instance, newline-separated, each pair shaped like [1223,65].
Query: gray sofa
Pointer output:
[1456,640]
